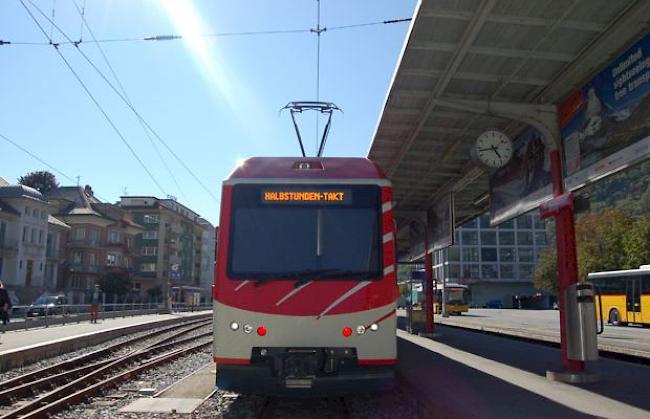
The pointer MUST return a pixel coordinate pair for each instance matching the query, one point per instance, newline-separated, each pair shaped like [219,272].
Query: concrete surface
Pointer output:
[198,385]
[151,405]
[545,325]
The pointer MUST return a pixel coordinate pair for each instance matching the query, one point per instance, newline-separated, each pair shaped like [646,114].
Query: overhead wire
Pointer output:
[112,86]
[92,97]
[126,96]
[46,164]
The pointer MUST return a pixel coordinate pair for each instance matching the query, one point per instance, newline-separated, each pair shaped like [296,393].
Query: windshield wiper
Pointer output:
[304,276]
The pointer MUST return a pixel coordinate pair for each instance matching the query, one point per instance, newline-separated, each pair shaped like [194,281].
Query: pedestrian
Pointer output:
[5,306]
[95,300]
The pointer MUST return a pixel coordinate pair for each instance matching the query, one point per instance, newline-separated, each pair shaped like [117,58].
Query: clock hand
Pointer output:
[496,151]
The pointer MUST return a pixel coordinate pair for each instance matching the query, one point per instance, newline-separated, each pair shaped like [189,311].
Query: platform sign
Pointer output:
[605,125]
[440,222]
[525,182]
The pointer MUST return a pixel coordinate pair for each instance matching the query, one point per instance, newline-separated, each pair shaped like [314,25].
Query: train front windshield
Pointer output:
[305,232]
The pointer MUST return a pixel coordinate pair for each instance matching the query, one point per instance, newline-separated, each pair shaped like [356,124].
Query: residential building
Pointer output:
[497,263]
[208,257]
[55,252]
[169,253]
[100,241]
[23,233]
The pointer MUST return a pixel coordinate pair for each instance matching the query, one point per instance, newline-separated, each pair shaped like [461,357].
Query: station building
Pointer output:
[497,263]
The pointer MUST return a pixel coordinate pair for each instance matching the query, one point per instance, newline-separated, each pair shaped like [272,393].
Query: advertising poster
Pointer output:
[440,220]
[523,183]
[605,125]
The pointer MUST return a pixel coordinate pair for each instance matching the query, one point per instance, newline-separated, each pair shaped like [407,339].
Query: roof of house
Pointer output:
[21,191]
[8,209]
[56,222]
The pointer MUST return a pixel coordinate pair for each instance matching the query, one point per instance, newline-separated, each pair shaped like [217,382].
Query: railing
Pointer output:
[78,267]
[26,317]
[84,242]
[9,245]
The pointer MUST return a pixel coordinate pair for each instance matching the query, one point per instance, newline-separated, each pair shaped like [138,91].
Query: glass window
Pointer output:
[453,271]
[507,254]
[507,271]
[40,236]
[33,238]
[28,210]
[488,254]
[524,222]
[111,259]
[471,271]
[313,240]
[507,224]
[507,238]
[538,222]
[453,254]
[526,271]
[470,224]
[150,235]
[149,251]
[489,270]
[151,218]
[43,215]
[77,257]
[525,254]
[470,254]
[484,221]
[80,233]
[114,236]
[148,267]
[540,238]
[524,238]
[25,234]
[35,212]
[457,236]
[488,238]
[469,237]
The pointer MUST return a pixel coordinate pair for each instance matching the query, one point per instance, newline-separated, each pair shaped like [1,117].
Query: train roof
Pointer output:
[307,168]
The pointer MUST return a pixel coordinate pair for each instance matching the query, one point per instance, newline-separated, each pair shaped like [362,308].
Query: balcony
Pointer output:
[84,243]
[8,247]
[79,267]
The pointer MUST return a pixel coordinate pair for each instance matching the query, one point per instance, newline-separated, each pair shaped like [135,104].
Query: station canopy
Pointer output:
[501,50]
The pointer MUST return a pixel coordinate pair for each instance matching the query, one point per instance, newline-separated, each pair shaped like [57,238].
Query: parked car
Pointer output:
[493,304]
[50,305]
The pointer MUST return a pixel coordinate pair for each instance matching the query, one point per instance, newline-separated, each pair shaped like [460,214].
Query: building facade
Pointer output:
[497,263]
[98,246]
[23,232]
[208,257]
[169,250]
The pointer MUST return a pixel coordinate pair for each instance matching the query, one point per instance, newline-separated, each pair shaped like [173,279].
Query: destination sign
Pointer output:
[307,196]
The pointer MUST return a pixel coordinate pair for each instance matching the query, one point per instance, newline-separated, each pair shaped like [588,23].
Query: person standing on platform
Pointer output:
[5,306]
[95,301]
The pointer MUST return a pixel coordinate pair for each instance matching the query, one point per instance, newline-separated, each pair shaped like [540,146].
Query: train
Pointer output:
[305,284]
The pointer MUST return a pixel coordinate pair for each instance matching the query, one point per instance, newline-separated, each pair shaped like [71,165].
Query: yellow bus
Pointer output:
[624,295]
[457,298]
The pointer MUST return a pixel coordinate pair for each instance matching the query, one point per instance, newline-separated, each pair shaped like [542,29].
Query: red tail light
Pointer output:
[261,330]
[347,332]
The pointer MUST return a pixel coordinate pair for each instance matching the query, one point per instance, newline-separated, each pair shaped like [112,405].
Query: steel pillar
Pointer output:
[428,269]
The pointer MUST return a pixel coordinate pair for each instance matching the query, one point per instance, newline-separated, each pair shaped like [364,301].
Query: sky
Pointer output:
[213,100]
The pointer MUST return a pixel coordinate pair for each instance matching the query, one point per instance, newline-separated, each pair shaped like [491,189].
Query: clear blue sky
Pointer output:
[214,100]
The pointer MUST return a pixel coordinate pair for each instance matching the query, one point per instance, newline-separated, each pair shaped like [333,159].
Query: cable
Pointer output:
[108,82]
[101,109]
[103,76]
[126,96]
[54,169]
[359,25]
[318,32]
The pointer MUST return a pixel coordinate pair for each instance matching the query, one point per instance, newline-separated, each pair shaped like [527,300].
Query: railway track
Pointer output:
[72,381]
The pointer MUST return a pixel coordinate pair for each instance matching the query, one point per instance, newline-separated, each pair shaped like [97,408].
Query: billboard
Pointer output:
[605,125]
[440,222]
[523,183]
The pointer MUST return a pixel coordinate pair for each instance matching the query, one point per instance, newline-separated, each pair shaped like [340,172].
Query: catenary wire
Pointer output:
[81,12]
[46,164]
[92,97]
[154,132]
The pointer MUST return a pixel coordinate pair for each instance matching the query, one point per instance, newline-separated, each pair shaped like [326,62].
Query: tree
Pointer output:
[43,181]
[545,277]
[115,283]
[600,241]
[637,244]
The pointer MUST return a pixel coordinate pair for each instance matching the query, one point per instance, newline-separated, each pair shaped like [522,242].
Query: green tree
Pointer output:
[115,283]
[43,181]
[545,277]
[600,241]
[636,244]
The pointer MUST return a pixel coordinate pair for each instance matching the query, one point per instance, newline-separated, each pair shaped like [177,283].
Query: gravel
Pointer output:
[7,375]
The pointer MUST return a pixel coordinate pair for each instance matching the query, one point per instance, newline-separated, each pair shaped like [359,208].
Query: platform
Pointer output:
[544,325]
[20,347]
[466,374]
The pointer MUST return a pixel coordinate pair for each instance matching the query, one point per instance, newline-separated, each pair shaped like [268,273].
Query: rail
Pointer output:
[24,317]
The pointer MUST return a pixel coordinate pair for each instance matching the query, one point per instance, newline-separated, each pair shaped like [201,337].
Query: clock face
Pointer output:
[493,148]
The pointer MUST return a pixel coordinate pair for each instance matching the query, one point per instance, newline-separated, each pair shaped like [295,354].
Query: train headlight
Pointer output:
[374,327]
[234,326]
[248,328]
[361,330]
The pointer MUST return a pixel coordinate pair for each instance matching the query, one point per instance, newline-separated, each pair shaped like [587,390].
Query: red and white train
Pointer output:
[305,288]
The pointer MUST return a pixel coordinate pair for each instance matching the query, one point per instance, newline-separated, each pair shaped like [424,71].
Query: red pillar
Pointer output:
[428,285]
[567,264]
